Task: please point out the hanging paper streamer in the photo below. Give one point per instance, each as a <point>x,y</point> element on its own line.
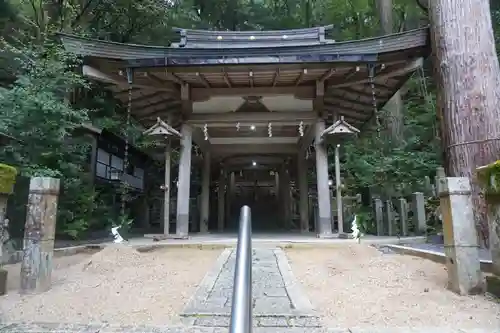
<point>205,132</point>
<point>301,128</point>
<point>116,235</point>
<point>270,129</point>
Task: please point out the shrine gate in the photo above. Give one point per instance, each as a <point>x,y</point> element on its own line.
<point>257,105</point>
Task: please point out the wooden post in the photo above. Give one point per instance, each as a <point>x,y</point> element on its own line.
<point>205,193</point>
<point>419,219</point>
<point>183,191</point>
<point>402,208</point>
<point>166,194</point>
<point>460,241</point>
<point>324,221</point>
<point>221,199</point>
<point>389,211</point>
<point>36,267</point>
<point>379,215</point>
<point>303,193</point>
<point>338,193</point>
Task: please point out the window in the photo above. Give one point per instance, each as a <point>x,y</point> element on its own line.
<point>116,162</point>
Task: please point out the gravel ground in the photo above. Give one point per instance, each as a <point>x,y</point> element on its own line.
<point>356,285</point>
<point>117,285</point>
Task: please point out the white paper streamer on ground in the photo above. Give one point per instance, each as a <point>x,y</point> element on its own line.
<point>116,235</point>
<point>356,233</point>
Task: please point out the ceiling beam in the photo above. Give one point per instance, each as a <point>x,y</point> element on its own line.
<point>275,140</point>
<point>227,150</point>
<point>118,80</point>
<point>231,118</point>
<point>341,99</point>
<point>389,72</point>
<point>147,111</point>
<point>202,94</point>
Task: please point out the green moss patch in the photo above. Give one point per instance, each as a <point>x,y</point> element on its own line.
<point>489,177</point>
<point>8,176</point>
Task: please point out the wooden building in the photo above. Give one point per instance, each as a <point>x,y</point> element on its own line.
<point>256,104</point>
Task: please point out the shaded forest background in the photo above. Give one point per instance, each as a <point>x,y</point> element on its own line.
<point>393,154</point>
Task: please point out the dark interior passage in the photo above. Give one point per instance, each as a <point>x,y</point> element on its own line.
<point>264,205</point>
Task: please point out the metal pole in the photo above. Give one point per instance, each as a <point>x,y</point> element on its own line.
<point>340,216</point>
<point>241,309</point>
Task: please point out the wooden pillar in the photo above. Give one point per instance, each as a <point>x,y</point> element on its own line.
<point>303,193</point>
<point>338,191</point>
<point>36,267</point>
<point>284,178</point>
<point>460,241</point>
<point>229,194</point>
<point>324,206</point>
<point>166,194</point>
<point>205,194</point>
<point>184,182</point>
<point>221,205</point>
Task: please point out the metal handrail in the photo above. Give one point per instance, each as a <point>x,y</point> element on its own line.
<point>241,308</point>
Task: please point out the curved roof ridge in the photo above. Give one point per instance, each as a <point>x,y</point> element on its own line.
<point>157,47</point>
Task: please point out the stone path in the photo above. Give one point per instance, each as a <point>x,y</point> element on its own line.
<point>278,300</point>
<point>80,328</point>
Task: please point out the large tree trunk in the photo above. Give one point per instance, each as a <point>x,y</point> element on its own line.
<point>394,108</point>
<point>467,74</point>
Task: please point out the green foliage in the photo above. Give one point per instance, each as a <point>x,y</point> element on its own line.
<point>489,176</point>
<point>8,176</point>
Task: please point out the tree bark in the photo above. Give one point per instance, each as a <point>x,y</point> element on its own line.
<point>394,107</point>
<point>467,74</point>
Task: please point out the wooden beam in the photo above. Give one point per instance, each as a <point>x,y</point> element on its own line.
<point>301,77</point>
<point>203,80</point>
<point>201,94</point>
<point>146,97</point>
<point>254,140</point>
<point>228,150</point>
<point>339,99</point>
<point>276,76</point>
<point>232,118</point>
<point>96,74</point>
<point>173,77</point>
<point>389,72</point>
<point>152,110</point>
<point>327,75</point>
<point>226,79</point>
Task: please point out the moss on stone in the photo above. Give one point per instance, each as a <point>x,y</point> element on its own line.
<point>8,176</point>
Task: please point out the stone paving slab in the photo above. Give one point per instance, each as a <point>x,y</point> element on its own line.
<point>107,328</point>
<point>278,300</point>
